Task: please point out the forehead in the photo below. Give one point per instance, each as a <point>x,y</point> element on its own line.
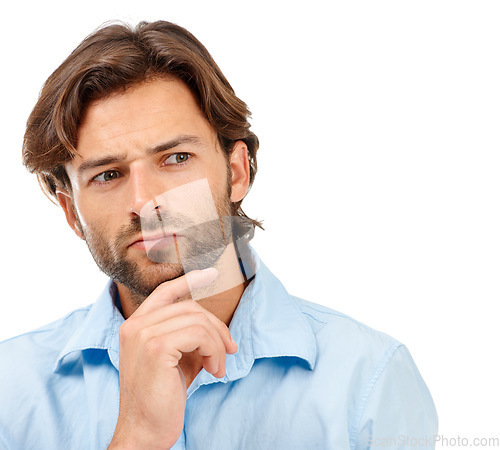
<point>141,118</point>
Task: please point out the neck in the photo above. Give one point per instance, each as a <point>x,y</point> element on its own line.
<point>220,298</point>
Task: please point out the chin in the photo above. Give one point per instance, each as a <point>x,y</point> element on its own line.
<point>159,273</point>
<point>143,282</point>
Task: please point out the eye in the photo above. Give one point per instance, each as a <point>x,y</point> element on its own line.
<point>107,176</point>
<point>177,158</point>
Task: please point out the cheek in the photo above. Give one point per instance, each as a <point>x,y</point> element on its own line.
<point>220,181</point>
<point>97,220</point>
<point>97,211</point>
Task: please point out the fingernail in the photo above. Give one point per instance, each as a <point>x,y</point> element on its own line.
<point>211,271</point>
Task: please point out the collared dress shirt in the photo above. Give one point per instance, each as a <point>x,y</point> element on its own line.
<point>304,377</point>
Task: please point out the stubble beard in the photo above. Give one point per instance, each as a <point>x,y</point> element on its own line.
<point>203,246</point>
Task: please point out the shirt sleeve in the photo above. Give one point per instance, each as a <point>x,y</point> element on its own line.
<point>396,411</point>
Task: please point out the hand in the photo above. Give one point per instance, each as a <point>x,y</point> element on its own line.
<point>152,340</point>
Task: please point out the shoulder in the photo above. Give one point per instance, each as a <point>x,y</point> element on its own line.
<point>27,378</point>
<point>50,333</point>
<point>376,372</point>
<point>37,351</point>
<point>338,329</point>
<point>352,352</point>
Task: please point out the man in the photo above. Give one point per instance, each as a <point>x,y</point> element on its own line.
<point>193,343</point>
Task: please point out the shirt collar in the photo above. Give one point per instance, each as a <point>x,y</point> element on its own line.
<point>99,330</point>
<point>267,323</point>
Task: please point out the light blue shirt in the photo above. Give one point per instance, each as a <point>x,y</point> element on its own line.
<point>304,377</point>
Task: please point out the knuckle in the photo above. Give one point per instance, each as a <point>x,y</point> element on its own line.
<point>201,318</point>
<point>125,330</point>
<point>128,329</point>
<point>142,335</point>
<point>153,346</point>
<point>199,332</point>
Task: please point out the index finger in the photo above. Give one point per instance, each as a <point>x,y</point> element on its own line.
<point>170,291</point>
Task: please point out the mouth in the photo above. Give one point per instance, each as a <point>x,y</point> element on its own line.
<point>156,241</point>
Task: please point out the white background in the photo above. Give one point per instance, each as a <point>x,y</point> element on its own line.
<point>378,173</point>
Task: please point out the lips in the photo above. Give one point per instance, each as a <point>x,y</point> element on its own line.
<point>156,241</point>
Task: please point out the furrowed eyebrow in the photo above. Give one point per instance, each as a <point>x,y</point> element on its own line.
<point>183,139</point>
<point>93,163</point>
<point>113,159</point>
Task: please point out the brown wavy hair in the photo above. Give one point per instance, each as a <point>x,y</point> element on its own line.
<point>112,59</point>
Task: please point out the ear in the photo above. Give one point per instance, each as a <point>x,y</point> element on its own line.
<point>66,202</point>
<point>240,169</point>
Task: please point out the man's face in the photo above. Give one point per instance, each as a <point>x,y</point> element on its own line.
<point>150,183</point>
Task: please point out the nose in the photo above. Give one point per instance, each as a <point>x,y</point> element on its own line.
<point>145,188</point>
